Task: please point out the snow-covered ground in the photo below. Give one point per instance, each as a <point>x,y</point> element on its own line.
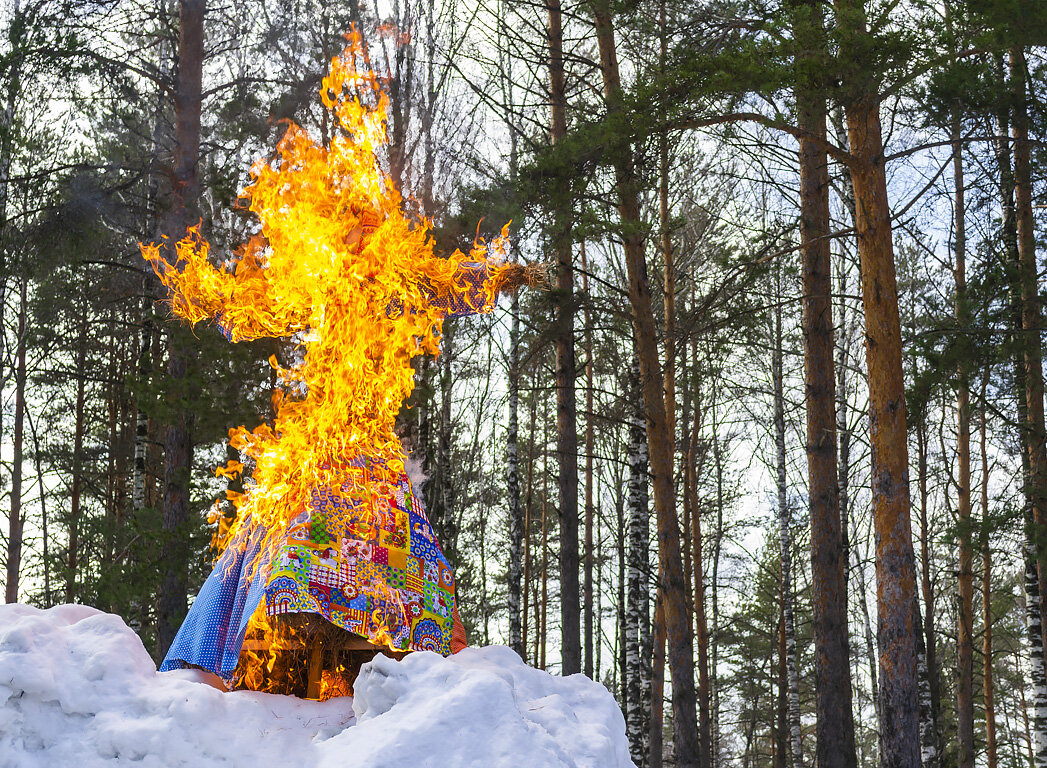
<point>78,689</point>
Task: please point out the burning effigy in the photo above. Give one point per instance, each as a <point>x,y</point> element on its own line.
<point>330,530</point>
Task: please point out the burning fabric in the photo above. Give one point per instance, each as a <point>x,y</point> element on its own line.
<point>331,525</point>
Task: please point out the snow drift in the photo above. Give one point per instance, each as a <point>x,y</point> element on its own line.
<point>77,688</point>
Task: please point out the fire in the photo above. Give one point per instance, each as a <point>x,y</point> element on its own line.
<point>280,657</point>
<point>338,269</point>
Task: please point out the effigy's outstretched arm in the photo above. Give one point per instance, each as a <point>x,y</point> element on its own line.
<point>241,302</point>
<point>474,286</point>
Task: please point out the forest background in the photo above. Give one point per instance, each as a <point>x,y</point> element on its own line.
<point>767,458</point>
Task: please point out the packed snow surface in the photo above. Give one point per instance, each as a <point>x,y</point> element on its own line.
<point>77,688</point>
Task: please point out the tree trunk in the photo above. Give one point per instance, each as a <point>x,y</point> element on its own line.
<point>141,439</point>
<point>443,491</point>
<point>590,512</point>
<point>677,611</point>
<point>622,635</point>
<point>843,432</point>
<point>669,275</point>
<point>72,562</point>
<point>113,378</point>
<point>965,630</point>
<point>44,533</point>
<point>599,604</point>
<point>1031,320</point>
<point>701,623</point>
<point>172,602</point>
<point>512,482</point>
<point>1034,635</point>
<point>566,414</point>
<point>987,620</point>
<point>1033,616</point>
<point>400,71</point>
<point>780,742</point>
<point>870,641</point>
<point>178,446</point>
<point>7,132</point>
<point>144,367</point>
<point>14,536</point>
<point>835,744</point>
<point>636,613</point>
<point>714,635</point>
<point>654,742</point>
<point>929,739</point>
<point>792,744</point>
<point>1024,709</point>
<point>702,631</point>
<point>1037,679</point>
<point>895,566</point>
<point>543,618</point>
<point>528,570</point>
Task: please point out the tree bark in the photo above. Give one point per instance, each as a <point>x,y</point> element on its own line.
<point>636,594</point>
<point>1037,723</point>
<point>780,739</point>
<point>1037,739</point>
<point>844,436</point>
<point>835,746</point>
<point>512,481</point>
<point>791,743</point>
<point>598,587</point>
<point>929,739</point>
<point>991,757</point>
<point>1033,575</point>
<point>527,559</point>
<point>114,481</point>
<point>14,536</point>
<point>622,614</point>
<point>700,620</point>
<point>590,512</point>
<point>1024,709</point>
<point>1031,319</point>
<point>1034,635</point>
<point>677,611</point>
<point>965,613</point>
<point>72,561</point>
<point>543,618</point>
<point>178,446</point>
<point>7,132</point>
<point>443,490</point>
<point>714,635</point>
<point>655,739</point>
<point>895,566</point>
<point>44,520</point>
<point>566,412</point>
<point>140,476</point>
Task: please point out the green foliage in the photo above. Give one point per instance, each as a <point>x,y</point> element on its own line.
<point>751,649</point>
<point>1011,22</point>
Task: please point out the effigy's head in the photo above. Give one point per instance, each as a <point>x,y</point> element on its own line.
<point>337,268</point>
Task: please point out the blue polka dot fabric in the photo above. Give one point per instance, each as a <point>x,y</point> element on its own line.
<point>212,634</point>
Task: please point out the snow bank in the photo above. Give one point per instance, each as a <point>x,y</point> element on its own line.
<point>78,689</point>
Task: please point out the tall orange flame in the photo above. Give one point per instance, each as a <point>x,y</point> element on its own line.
<point>338,269</point>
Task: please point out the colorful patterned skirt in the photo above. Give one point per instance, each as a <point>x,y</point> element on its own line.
<point>362,555</point>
